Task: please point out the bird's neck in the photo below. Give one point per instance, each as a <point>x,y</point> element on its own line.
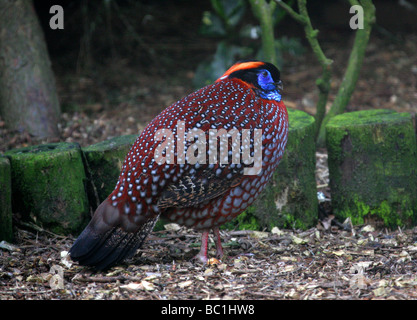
<point>270,95</point>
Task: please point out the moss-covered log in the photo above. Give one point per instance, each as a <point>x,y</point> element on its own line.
<point>104,163</point>
<point>290,198</point>
<point>48,186</point>
<point>6,231</point>
<point>373,167</point>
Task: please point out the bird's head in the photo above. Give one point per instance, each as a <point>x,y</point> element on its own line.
<point>262,77</point>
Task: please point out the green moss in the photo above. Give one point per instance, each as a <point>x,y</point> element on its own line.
<point>373,166</point>
<point>245,221</point>
<point>366,117</point>
<point>6,231</point>
<point>386,213</point>
<point>104,163</point>
<point>159,225</point>
<point>48,186</point>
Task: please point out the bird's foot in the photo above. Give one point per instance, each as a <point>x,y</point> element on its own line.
<point>201,258</point>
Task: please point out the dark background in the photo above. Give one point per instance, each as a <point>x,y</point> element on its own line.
<point>117,67</point>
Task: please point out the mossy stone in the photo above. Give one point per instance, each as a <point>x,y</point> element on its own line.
<point>6,230</point>
<point>48,186</point>
<point>372,158</point>
<point>104,163</point>
<point>290,197</point>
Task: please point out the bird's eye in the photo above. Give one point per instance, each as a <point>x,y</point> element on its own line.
<point>265,81</point>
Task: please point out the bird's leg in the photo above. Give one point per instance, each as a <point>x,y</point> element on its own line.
<point>218,241</point>
<point>202,255</point>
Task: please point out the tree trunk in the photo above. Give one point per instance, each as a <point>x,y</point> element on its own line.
<point>28,98</point>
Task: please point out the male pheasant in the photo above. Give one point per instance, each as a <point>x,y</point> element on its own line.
<point>179,169</point>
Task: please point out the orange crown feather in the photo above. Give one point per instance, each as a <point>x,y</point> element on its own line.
<point>240,66</point>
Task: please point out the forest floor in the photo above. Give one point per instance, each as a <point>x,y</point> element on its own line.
<point>329,261</point>
<point>315,264</point>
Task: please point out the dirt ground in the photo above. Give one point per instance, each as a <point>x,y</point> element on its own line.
<point>283,264</point>
<point>330,261</point>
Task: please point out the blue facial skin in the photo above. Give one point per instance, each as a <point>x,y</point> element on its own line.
<point>269,87</point>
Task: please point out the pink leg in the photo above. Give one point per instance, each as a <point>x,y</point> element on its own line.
<point>218,241</point>
<point>202,255</point>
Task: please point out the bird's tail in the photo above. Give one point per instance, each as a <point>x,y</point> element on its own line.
<point>110,237</point>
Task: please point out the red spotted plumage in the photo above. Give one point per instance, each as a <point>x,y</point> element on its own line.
<point>170,172</point>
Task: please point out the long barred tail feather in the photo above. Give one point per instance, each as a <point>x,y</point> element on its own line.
<point>104,242</point>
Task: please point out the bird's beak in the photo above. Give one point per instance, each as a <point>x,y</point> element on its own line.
<point>279,86</point>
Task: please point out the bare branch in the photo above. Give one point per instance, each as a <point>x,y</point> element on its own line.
<point>296,16</point>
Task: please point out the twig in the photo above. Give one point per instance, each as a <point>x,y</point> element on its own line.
<point>323,83</point>
<point>264,11</point>
<point>40,229</point>
<point>104,279</point>
<point>296,16</point>
<point>241,233</point>
<point>17,291</point>
<point>261,294</point>
<point>351,75</point>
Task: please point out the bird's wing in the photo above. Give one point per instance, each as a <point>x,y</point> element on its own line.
<point>191,190</point>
